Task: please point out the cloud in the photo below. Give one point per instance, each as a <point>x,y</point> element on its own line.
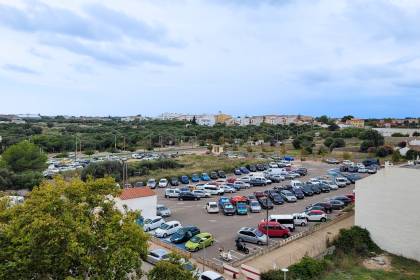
<point>19,69</point>
<point>108,53</point>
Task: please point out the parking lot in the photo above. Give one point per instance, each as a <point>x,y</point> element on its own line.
<point>224,228</point>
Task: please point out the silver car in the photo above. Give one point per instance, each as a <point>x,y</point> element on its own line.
<point>254,206</point>
<point>157,255</point>
<point>252,235</point>
<point>163,211</point>
<point>288,196</point>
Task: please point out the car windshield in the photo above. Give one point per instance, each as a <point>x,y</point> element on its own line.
<point>241,206</point>
<point>255,203</point>
<point>162,208</point>
<point>213,206</point>
<point>228,206</point>
<point>164,226</point>
<point>195,239</point>
<point>147,221</point>
<point>258,233</point>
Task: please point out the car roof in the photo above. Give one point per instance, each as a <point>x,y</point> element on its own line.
<point>160,251</point>
<point>211,274</point>
<point>172,222</point>
<point>203,234</point>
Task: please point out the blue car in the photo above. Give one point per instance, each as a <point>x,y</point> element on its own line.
<point>195,178</point>
<point>241,209</point>
<point>237,172</point>
<point>223,200</point>
<point>289,158</point>
<point>244,170</point>
<point>205,177</point>
<point>185,179</point>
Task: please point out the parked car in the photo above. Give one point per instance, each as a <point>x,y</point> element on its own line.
<point>332,161</point>
<point>343,199</point>
<point>212,207</point>
<point>187,196</point>
<point>351,177</point>
<point>307,190</point>
<point>327,207</point>
<point>298,193</point>
<point>300,219</point>
<point>239,185</point>
<point>201,193</point>
<point>251,168</point>
<point>237,172</point>
<point>275,198</point>
<point>228,209</point>
<point>352,196</point>
<point>138,184</point>
<point>195,178</point>
<point>265,202</point>
<point>244,170</point>
<point>223,200</point>
<point>258,181</point>
<point>184,234</point>
<point>288,196</point>
<point>341,182</point>
<point>167,228</point>
<point>184,179</point>
<point>199,241</point>
<point>285,220</point>
<point>241,208</point>
<point>163,211</point>
<point>336,204</point>
<point>213,175</point>
<point>174,181</point>
<point>157,255</point>
<point>151,183</point>
<point>205,177</point>
<point>213,190</point>
<point>259,194</point>
<point>315,188</point>
<point>152,223</point>
<point>277,178</point>
<point>302,171</point>
<point>169,193</point>
<point>221,174</point>
<point>324,187</point>
<point>251,235</point>
<point>210,275</point>
<point>273,229</point>
<point>254,206</point>
<point>163,183</point>
<point>260,167</point>
<point>228,189</point>
<point>238,198</point>
<point>316,216</point>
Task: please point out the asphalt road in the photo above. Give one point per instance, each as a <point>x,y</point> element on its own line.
<point>224,228</point>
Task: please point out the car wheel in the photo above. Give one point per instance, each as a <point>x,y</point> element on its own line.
<point>165,235</point>
<point>323,220</point>
<point>302,224</point>
<point>259,243</point>
<point>286,236</point>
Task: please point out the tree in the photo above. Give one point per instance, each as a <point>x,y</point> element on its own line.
<point>346,118</point>
<point>396,157</point>
<point>375,138</point>
<point>412,154</point>
<point>323,119</point>
<point>296,143</point>
<point>338,143</point>
<point>383,151</point>
<point>171,269</point>
<point>70,230</point>
<point>416,133</point>
<point>333,127</point>
<point>328,142</point>
<point>24,156</point>
<point>365,145</point>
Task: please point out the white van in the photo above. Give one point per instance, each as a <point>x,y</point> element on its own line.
<point>171,193</point>
<point>296,184</point>
<point>285,220</point>
<point>300,219</point>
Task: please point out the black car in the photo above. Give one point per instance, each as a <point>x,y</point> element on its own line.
<point>237,172</point>
<point>265,202</point>
<point>184,234</point>
<point>251,168</point>
<point>298,193</point>
<point>326,205</point>
<point>251,197</point>
<point>260,167</point>
<point>228,209</point>
<point>337,204</point>
<point>257,182</point>
<point>371,161</point>
<point>174,181</point>
<point>351,177</point>
<point>316,189</point>
<point>221,174</point>
<point>324,187</point>
<point>187,196</point>
<point>213,175</point>
<point>343,199</point>
<point>276,198</point>
<point>307,190</point>
<point>302,171</point>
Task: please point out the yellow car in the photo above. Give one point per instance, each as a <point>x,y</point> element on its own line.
<point>199,241</point>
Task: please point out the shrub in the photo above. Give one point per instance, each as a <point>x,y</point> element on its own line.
<point>346,156</point>
<point>396,157</point>
<point>308,268</point>
<point>384,151</point>
<point>365,145</point>
<point>411,154</point>
<point>296,143</point>
<point>398,134</point>
<point>355,240</point>
<point>328,141</point>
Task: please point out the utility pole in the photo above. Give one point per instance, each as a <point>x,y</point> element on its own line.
<point>115,141</point>
<point>75,150</point>
<point>266,229</point>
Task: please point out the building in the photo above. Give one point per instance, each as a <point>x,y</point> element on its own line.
<point>207,120</point>
<point>222,118</point>
<point>356,123</point>
<point>256,120</point>
<point>414,145</point>
<point>143,199</point>
<point>387,205</point>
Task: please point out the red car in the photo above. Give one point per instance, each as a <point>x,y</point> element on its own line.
<point>259,194</point>
<point>275,229</point>
<point>351,196</point>
<point>231,180</point>
<point>238,198</point>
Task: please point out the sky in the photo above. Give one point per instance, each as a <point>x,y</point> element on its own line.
<point>242,57</point>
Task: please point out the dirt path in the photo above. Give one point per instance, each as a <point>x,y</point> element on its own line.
<point>312,245</point>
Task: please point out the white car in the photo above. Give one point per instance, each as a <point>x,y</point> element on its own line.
<point>153,223</point>
<point>201,193</point>
<point>341,182</point>
<point>151,183</point>
<point>213,190</point>
<point>210,275</point>
<point>157,255</point>
<point>300,219</point>
<point>254,206</point>
<point>296,184</point>
<point>220,181</point>
<point>172,193</point>
<point>362,170</point>
<point>167,229</point>
<point>241,185</point>
<point>245,179</point>
<point>330,184</point>
<point>228,189</point>
<point>163,183</point>
<point>212,207</point>
<point>273,165</point>
<point>316,216</point>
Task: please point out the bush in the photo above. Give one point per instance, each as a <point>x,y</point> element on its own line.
<point>416,133</point>
<point>296,143</point>
<point>365,145</point>
<point>412,154</point>
<point>396,157</point>
<point>307,269</point>
<point>398,134</point>
<point>384,151</point>
<point>328,142</point>
<point>355,240</point>
<point>346,156</point>
<point>338,143</point>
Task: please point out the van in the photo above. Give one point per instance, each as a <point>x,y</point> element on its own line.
<point>285,220</point>
<point>171,193</point>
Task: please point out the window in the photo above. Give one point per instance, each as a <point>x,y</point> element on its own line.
<point>153,255</point>
<point>203,277</point>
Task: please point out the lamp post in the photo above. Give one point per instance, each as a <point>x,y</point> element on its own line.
<point>285,270</point>
<point>266,224</point>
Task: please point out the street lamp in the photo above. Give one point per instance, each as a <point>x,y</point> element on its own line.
<point>285,270</point>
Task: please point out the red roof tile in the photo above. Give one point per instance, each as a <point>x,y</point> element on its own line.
<point>131,193</point>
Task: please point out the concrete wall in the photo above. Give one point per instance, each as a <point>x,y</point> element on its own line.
<point>147,205</point>
<point>388,205</point>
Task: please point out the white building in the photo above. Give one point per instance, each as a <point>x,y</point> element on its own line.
<point>207,120</point>
<point>143,199</point>
<point>387,205</point>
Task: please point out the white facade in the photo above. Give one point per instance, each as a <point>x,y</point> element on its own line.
<point>389,131</point>
<point>387,205</point>
<point>208,120</point>
<point>147,205</point>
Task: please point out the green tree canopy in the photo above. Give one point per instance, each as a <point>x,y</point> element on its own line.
<point>171,269</point>
<point>70,230</point>
<point>24,156</point>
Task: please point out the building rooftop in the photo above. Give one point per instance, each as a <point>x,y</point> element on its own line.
<point>131,193</point>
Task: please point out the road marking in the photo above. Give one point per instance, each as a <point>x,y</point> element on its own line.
<point>212,221</point>
<point>180,203</point>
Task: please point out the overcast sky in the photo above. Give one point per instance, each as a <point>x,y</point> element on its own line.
<point>241,57</point>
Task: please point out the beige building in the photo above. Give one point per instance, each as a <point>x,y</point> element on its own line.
<point>387,204</point>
